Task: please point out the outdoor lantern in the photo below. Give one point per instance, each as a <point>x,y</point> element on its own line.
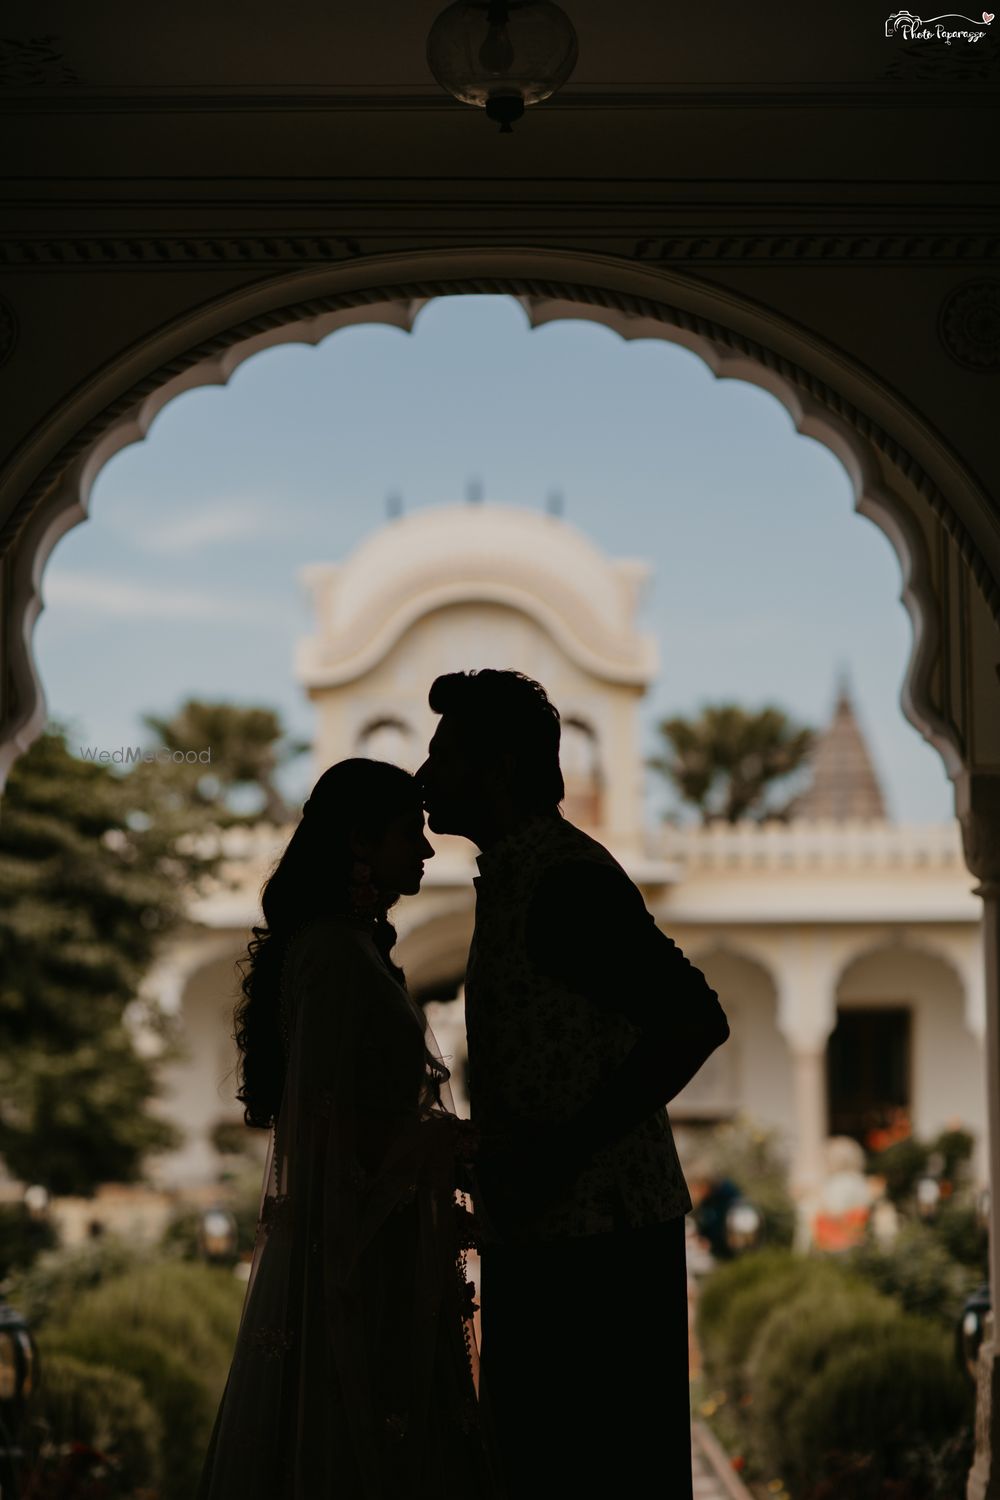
<point>970,1331</point>
<point>502,55</point>
<point>928,1196</point>
<point>744,1226</point>
<point>18,1361</point>
<point>218,1234</point>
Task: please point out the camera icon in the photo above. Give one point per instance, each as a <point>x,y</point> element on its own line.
<point>899,19</point>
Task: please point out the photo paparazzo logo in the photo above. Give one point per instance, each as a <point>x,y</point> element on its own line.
<point>948,28</point>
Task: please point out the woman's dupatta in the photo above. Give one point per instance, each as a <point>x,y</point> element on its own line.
<point>355,1368</point>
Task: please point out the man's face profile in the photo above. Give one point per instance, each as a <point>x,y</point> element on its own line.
<point>451,780</point>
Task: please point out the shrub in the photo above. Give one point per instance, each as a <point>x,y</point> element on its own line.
<point>57,1279</point>
<point>955,1148</point>
<point>76,1402</point>
<point>172,1326</point>
<point>918,1271</point>
<point>726,1282</point>
<point>165,1301</point>
<point>900,1164</point>
<point>793,1345</point>
<point>214,1293</point>
<point>171,1381</point>
<point>958,1227</point>
<point>181,1235</point>
<point>867,1403</point>
<point>729,1322</point>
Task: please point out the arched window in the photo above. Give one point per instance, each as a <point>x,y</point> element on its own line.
<point>389,739</point>
<point>579,757</point>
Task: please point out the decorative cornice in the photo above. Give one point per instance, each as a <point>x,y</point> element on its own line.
<point>139,252</point>
<point>914,248</point>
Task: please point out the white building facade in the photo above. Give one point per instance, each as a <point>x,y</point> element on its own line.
<point>846,950</point>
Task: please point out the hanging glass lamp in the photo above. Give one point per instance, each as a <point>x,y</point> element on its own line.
<point>502,55</point>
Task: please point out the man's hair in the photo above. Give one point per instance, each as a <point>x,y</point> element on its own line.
<point>506,711</point>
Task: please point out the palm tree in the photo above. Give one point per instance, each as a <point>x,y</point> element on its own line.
<point>726,761</point>
<point>248,745</point>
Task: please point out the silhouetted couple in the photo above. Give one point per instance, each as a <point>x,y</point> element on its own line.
<point>356,1372</point>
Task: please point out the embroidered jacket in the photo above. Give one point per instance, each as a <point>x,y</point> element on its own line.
<point>540,1048</point>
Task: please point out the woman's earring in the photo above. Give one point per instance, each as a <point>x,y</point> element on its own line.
<point>362,892</point>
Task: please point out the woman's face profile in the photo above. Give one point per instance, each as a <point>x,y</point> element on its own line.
<point>396,856</point>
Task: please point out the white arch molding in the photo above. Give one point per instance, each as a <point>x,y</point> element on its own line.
<point>48,487</point>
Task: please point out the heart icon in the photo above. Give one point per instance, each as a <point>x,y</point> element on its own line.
<point>987,16</point>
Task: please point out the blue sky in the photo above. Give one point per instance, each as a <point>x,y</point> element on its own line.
<point>766,582</point>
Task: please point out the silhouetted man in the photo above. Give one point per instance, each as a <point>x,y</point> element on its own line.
<point>583,1020</point>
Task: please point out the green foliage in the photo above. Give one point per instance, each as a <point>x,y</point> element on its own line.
<point>57,1279</point>
<point>958,1227</point>
<point>792,1344</point>
<point>90,879</point>
<point>728,1281</point>
<point>247,746</point>
<point>918,1271</point>
<point>172,1382</point>
<point>76,1402</point>
<point>901,1164</point>
<point>22,1237</point>
<point>876,1398</point>
<point>726,761</point>
<point>734,1307</point>
<point>954,1148</point>
<point>172,1326</point>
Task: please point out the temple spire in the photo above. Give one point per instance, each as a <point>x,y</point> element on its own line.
<point>844,784</point>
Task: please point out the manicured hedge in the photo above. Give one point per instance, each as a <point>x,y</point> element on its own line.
<point>892,1390</point>
<point>740,1298</point>
<point>793,1345</point>
<point>76,1402</point>
<point>172,1327</point>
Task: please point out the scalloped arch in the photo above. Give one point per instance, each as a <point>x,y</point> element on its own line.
<point>736,339</point>
<point>926,946</point>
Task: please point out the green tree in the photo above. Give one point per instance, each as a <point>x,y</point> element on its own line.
<point>727,761</point>
<point>247,746</point>
<point>94,872</point>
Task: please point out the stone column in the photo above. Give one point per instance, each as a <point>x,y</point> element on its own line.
<point>809,1075</point>
<point>806,978</point>
<point>978,807</point>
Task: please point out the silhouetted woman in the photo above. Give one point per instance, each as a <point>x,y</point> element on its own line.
<point>355,1367</point>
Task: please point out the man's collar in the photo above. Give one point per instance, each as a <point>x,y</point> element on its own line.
<point>513,845</point>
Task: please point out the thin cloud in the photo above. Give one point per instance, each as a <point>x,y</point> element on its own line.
<point>182,533</point>
<point>194,530</point>
<point>94,594</point>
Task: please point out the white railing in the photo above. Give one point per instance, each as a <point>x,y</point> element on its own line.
<point>814,846</point>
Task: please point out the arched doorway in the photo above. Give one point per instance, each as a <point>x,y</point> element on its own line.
<point>917,492</point>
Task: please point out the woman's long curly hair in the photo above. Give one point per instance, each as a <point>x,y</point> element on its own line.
<point>312,878</point>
